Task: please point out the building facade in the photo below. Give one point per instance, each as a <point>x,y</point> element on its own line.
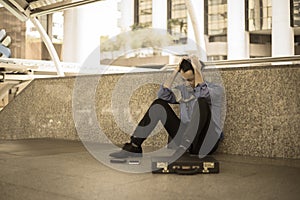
<point>233,29</point>
<point>26,41</point>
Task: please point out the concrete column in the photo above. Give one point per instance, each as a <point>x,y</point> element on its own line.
<point>238,43</point>
<point>282,33</point>
<point>79,37</point>
<point>83,27</point>
<point>159,14</point>
<point>70,20</point>
<point>126,20</point>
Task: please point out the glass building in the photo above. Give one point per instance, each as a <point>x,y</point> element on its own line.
<point>177,20</point>
<point>232,29</point>
<point>142,14</point>
<point>216,19</point>
<point>295,13</point>
<point>215,24</point>
<point>258,15</point>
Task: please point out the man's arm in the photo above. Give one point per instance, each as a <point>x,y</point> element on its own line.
<point>197,70</point>
<point>168,83</point>
<point>165,91</point>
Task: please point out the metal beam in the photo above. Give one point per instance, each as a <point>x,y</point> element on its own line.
<point>254,62</point>
<point>60,7</point>
<point>14,10</point>
<point>199,37</point>
<point>49,45</point>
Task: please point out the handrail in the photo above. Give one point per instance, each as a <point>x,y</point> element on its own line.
<point>247,62</point>
<point>25,65</point>
<point>255,60</point>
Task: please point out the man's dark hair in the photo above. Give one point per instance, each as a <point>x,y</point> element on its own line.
<point>186,65</point>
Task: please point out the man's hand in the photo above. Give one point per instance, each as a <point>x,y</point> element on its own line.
<point>168,83</point>
<point>197,69</point>
<point>177,69</point>
<point>196,63</point>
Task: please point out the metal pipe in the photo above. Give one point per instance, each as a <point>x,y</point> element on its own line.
<point>253,62</point>
<point>271,60</point>
<point>199,37</point>
<point>49,45</point>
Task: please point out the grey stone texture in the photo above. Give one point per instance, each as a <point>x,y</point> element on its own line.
<point>262,113</point>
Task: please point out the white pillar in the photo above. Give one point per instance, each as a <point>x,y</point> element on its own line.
<point>83,27</point>
<point>282,33</point>
<point>159,14</point>
<point>80,35</point>
<point>126,20</point>
<point>238,43</point>
<point>70,49</point>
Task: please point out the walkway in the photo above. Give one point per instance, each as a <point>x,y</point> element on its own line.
<point>57,169</point>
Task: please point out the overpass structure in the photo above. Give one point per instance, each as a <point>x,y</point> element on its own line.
<point>30,9</point>
<point>15,74</point>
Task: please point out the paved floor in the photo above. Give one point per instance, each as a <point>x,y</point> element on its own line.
<point>56,169</point>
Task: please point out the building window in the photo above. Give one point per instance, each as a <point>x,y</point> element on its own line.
<point>216,17</point>
<point>218,38</point>
<point>295,13</point>
<point>258,15</point>
<point>297,44</point>
<point>177,20</point>
<point>142,14</point>
<point>260,39</point>
<point>295,22</point>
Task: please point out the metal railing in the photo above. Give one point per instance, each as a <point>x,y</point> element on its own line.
<point>264,60</point>
<point>30,68</point>
<point>286,60</point>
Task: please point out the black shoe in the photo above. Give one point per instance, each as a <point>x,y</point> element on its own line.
<point>128,150</point>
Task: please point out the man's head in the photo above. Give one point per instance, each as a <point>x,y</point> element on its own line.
<point>187,71</point>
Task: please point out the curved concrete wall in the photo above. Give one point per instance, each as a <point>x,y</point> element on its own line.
<point>263,109</point>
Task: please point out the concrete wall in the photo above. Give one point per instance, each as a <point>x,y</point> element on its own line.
<point>263,109</point>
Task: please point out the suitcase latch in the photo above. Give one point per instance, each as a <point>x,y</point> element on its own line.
<point>207,166</point>
<point>163,166</point>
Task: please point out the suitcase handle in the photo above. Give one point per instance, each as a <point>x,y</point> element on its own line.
<point>186,171</point>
